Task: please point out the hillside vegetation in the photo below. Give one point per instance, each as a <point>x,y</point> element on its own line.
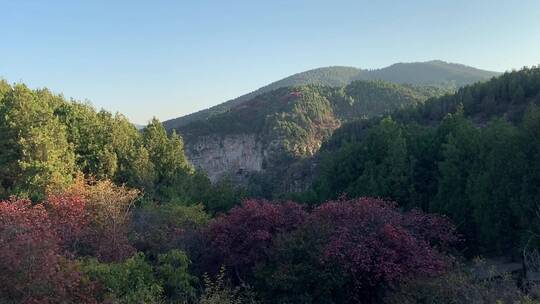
<point>294,121</point>
<point>473,156</point>
<point>46,141</point>
<point>431,73</point>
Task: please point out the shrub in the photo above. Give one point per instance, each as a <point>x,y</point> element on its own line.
<point>172,270</point>
<point>244,236</point>
<point>219,291</point>
<point>131,281</point>
<point>158,228</point>
<point>109,208</point>
<point>459,286</point>
<point>352,251</point>
<point>32,269</point>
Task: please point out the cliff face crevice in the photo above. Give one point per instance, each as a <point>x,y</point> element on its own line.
<point>233,155</point>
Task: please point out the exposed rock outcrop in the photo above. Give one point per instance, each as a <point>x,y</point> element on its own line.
<point>233,156</point>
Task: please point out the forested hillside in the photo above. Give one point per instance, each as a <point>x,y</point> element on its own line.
<point>431,73</point>
<point>288,124</point>
<point>473,156</point>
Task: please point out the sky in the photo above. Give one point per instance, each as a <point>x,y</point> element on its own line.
<point>166,59</point>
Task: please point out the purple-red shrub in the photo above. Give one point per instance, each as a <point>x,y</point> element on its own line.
<point>32,269</point>
<point>343,251</point>
<point>375,245</point>
<point>244,236</point>
<point>70,219</point>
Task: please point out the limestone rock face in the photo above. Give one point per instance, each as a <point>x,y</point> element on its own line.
<point>233,155</point>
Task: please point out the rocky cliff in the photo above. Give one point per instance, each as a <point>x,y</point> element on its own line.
<point>233,156</point>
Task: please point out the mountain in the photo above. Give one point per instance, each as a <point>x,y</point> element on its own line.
<point>433,73</point>
<point>274,129</point>
<point>329,76</point>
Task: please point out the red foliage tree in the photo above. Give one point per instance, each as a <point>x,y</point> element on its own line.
<point>32,269</point>
<point>244,236</point>
<point>375,245</point>
<point>93,218</point>
<point>346,251</point>
<point>70,219</point>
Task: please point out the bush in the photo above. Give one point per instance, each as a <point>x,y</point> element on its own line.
<point>244,236</point>
<point>32,269</point>
<point>131,281</point>
<point>219,291</point>
<point>172,270</point>
<point>342,252</point>
<point>459,286</point>
<point>158,228</point>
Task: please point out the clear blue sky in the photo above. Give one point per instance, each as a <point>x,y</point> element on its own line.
<point>169,58</point>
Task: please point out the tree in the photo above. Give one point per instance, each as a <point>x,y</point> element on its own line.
<point>377,166</point>
<point>31,266</point>
<point>70,218</point>
<point>34,152</point>
<point>494,180</point>
<point>458,156</point>
<point>244,236</point>
<point>172,171</point>
<point>386,169</point>
<point>129,282</point>
<point>109,208</point>
<point>158,228</point>
<point>172,270</point>
<point>351,251</point>
<point>220,291</point>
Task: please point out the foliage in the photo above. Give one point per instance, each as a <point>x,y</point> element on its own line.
<point>451,156</point>
<point>341,250</point>
<point>70,218</point>
<point>31,266</point>
<point>109,208</point>
<point>169,163</point>
<point>46,140</point>
<point>136,229</point>
<point>244,236</point>
<point>352,251</point>
<point>132,281</point>
<point>34,151</point>
<point>460,286</point>
<point>172,270</point>
<point>218,197</point>
<point>434,73</point>
<point>157,228</point>
<point>218,291</point>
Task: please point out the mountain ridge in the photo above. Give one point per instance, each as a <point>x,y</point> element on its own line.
<point>433,73</point>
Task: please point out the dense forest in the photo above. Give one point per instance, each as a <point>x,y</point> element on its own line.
<point>95,211</point>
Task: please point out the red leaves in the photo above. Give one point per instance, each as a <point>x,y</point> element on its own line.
<point>244,236</point>
<point>26,230</point>
<point>38,240</point>
<point>31,266</point>
<point>292,96</point>
<point>373,242</point>
<point>70,218</point>
<point>365,241</point>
